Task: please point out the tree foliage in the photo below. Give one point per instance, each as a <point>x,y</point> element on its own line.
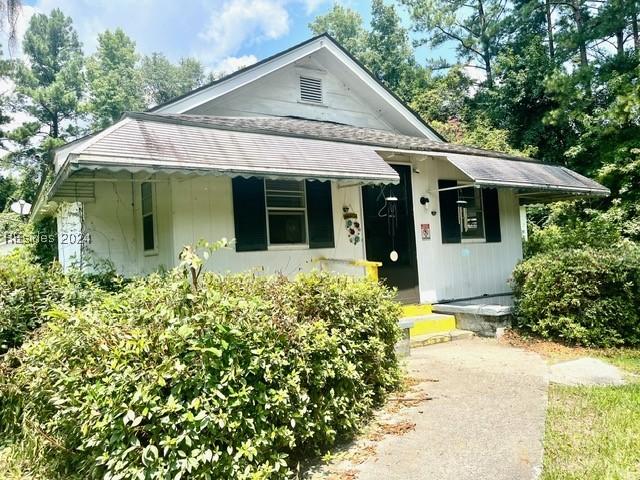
<point>49,86</point>
<point>114,80</point>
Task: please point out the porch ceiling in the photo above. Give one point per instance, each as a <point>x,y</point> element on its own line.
<point>536,182</point>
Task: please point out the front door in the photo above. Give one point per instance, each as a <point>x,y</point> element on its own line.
<point>388,227</point>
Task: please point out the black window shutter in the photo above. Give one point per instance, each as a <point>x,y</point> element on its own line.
<point>249,215</point>
<point>449,212</point>
<point>320,214</point>
<point>491,214</point>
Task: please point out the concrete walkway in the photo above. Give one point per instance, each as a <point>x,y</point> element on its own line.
<point>485,419</point>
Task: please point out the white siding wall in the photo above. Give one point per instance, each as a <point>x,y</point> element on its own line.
<point>466,269</point>
<point>203,208</point>
<point>277,94</point>
<point>114,225</point>
<point>192,208</point>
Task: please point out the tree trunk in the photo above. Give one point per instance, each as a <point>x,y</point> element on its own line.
<point>552,48</point>
<point>620,42</point>
<point>577,16</point>
<point>634,27</point>
<point>489,70</point>
<point>486,44</point>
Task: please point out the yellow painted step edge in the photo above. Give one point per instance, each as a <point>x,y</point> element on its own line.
<point>444,323</point>
<point>416,310</point>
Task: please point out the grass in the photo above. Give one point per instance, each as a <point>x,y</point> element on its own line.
<point>592,433</point>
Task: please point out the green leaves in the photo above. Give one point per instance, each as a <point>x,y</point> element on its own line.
<point>114,81</point>
<point>242,378</point>
<point>581,296</point>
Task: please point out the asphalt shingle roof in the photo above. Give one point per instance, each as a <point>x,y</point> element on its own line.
<point>300,127</point>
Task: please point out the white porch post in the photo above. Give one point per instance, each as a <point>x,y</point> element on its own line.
<point>70,220</point>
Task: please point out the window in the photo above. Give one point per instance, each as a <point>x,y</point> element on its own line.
<point>470,214</point>
<point>310,89</point>
<point>286,212</point>
<point>281,212</point>
<point>148,221</point>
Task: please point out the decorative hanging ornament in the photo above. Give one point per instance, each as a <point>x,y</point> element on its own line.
<point>352,225</point>
<point>392,224</point>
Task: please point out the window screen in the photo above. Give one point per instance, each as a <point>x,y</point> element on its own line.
<point>148,226</point>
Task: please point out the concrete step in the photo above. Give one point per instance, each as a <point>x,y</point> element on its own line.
<point>415,310</point>
<point>430,323</point>
<point>440,337</point>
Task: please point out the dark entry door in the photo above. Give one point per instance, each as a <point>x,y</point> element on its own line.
<point>381,237</point>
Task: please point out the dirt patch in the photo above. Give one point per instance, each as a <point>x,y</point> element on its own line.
<point>397,428</point>
<point>551,351</point>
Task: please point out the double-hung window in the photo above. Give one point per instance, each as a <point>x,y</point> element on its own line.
<point>468,213</point>
<point>286,212</point>
<point>282,212</point>
<point>148,220</point>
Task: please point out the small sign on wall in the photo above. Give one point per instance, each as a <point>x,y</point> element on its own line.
<point>425,231</point>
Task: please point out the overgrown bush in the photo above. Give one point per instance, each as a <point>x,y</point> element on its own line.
<point>571,225</point>
<point>28,290</point>
<point>586,297</point>
<point>240,378</point>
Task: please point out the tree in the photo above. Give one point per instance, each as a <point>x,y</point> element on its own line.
<point>476,27</point>
<point>163,80</point>
<point>444,97</point>
<point>389,54</point>
<point>7,189</point>
<point>345,26</point>
<point>49,85</point>
<point>115,85</point>
<point>385,49</point>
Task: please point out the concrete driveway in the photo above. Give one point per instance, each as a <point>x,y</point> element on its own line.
<point>485,419</point>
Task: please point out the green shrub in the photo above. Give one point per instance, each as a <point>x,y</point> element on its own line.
<point>28,290</point>
<point>600,230</point>
<point>587,297</point>
<point>240,378</point>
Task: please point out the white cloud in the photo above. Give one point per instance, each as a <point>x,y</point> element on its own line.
<point>243,22</point>
<point>313,5</point>
<point>231,64</point>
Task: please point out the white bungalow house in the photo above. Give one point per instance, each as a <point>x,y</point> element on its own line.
<point>300,157</point>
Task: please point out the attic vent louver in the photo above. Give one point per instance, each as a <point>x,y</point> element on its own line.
<point>310,89</point>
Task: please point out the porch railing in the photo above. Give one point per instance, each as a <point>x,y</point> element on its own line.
<point>370,268</point>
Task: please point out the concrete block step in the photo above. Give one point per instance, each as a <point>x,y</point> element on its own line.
<point>415,310</point>
<point>441,337</point>
<point>431,323</point>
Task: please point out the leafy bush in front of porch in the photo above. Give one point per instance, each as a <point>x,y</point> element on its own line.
<point>581,296</point>
<point>230,377</point>
<point>28,290</point>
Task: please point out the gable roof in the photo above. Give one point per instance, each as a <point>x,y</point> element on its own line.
<point>224,85</point>
<point>321,130</point>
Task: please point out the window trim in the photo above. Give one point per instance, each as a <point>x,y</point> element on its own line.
<point>154,216</point>
<point>287,246</point>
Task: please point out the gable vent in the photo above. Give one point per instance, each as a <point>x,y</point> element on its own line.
<point>310,89</point>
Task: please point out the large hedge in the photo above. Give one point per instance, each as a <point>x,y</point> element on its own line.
<point>586,297</point>
<point>28,290</point>
<point>240,378</point>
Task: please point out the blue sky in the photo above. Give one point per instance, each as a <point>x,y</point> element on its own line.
<point>223,34</point>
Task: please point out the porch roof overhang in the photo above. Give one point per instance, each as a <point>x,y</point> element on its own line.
<point>535,182</point>
<point>138,145</point>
